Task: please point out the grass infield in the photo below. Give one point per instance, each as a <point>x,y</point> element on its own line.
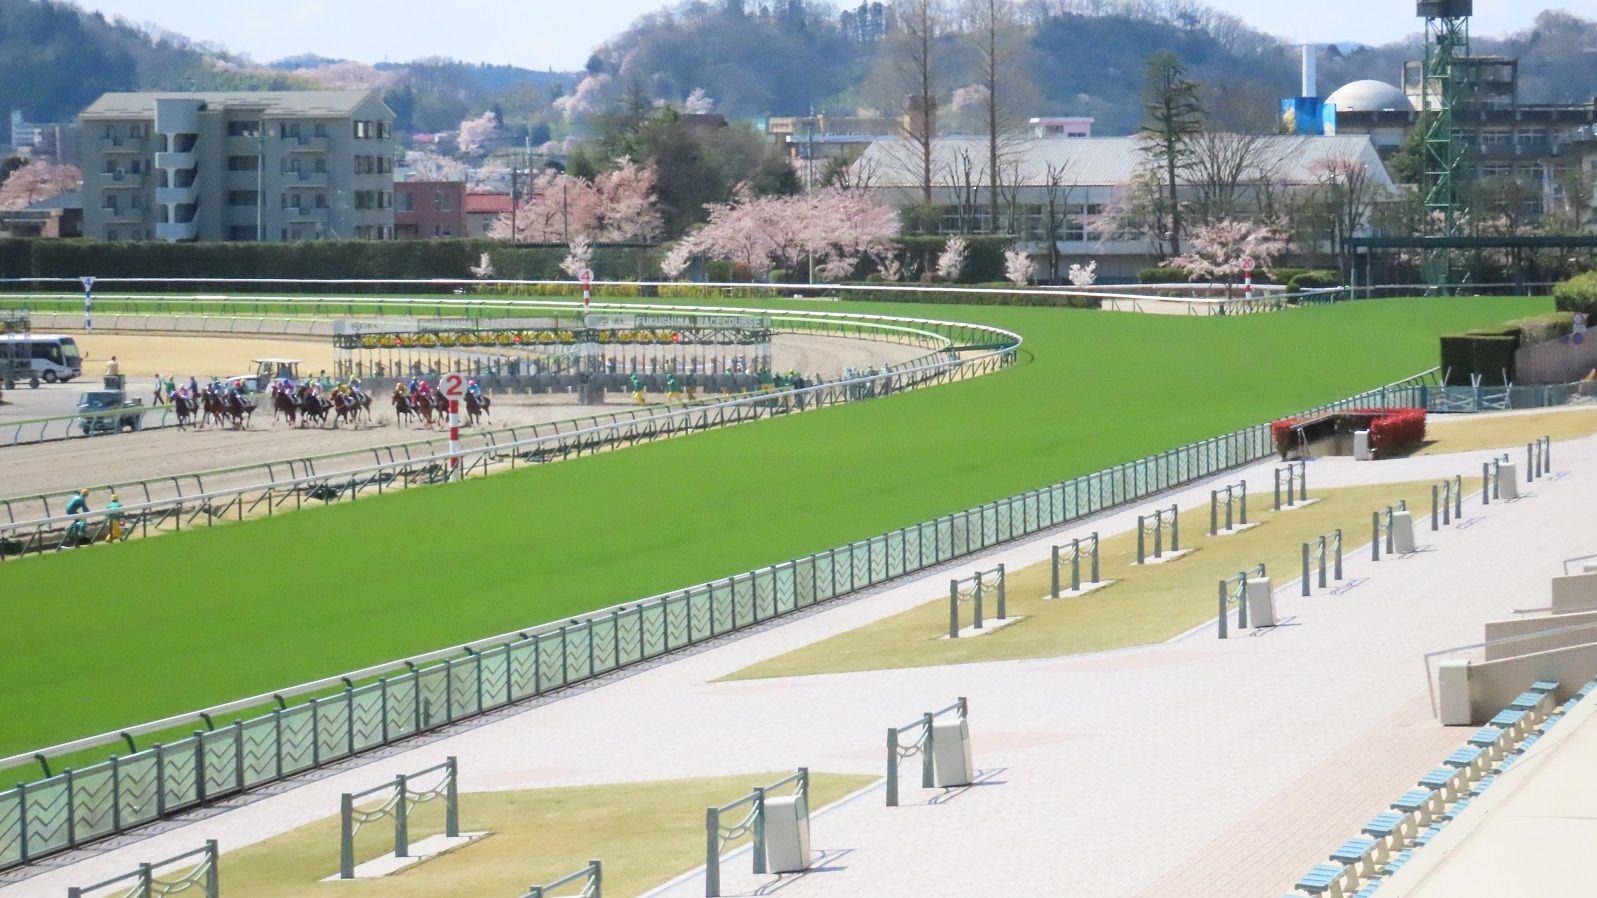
<point>108,637</point>
<point>644,833</point>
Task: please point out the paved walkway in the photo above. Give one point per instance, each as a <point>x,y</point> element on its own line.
<point>1190,767</point>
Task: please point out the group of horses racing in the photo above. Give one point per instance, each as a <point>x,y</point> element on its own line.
<point>431,405</point>
<point>304,404</point>
<point>212,405</point>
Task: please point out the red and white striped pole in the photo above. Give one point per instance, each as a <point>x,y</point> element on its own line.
<point>587,288</point>
<point>1247,279</point>
<point>454,439</point>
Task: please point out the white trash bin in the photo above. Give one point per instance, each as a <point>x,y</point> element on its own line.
<point>1507,480</point>
<point>1361,446</point>
<point>787,835</point>
<point>951,752</point>
<point>1402,532</point>
<point>1261,602</point>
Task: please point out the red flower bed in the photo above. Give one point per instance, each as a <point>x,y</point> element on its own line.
<point>1392,430</point>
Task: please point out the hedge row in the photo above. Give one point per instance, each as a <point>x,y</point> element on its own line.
<point>379,259</point>
<point>1489,355</point>
<point>1578,294</point>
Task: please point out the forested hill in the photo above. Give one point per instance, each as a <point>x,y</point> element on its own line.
<point>752,58</point>
<point>785,57</point>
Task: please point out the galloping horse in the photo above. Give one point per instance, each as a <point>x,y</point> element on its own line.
<point>185,408</point>
<point>404,406</point>
<point>212,404</point>
<point>235,407</point>
<point>312,407</point>
<point>478,405</point>
<point>346,407</point>
<point>284,403</point>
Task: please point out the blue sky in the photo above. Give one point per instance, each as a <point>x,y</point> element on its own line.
<point>541,34</point>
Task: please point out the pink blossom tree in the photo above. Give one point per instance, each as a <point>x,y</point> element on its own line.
<point>1019,267</point>
<point>951,261</point>
<point>36,182</point>
<point>475,133</point>
<point>835,229</point>
<point>1215,251</point>
<point>619,207</point>
<point>677,260</point>
<point>579,258</point>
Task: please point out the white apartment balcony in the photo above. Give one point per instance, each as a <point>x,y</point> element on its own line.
<point>173,231</point>
<point>303,144</point>
<point>177,196</point>
<point>173,161</point>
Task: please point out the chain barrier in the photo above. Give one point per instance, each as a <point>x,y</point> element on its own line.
<point>920,745</point>
<point>1155,525</point>
<point>752,823</point>
<point>1234,591</point>
<point>1235,502</point>
<point>402,799</point>
<point>972,590</point>
<point>1297,483</point>
<point>144,883</point>
<point>1074,556</point>
<point>588,881</point>
<point>1381,528</point>
<point>1325,548</point>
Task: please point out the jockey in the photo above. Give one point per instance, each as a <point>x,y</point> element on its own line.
<point>423,389</point>
<point>473,389</point>
<point>636,383</point>
<point>673,389</point>
<point>354,386</point>
<point>113,516</point>
<point>411,387</point>
<point>77,506</point>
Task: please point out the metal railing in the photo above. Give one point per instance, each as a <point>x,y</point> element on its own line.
<point>1538,459</point>
<point>362,710</point>
<point>752,823</point>
<point>1234,591</point>
<point>972,591</point>
<point>1236,500</point>
<point>1381,528</point>
<point>1325,549</point>
<point>84,425</point>
<point>921,745</point>
<point>588,882</point>
<point>402,798</point>
<point>199,871</point>
<point>1490,477</point>
<point>1450,493</point>
<point>1074,556</point>
<point>1155,525</point>
<point>1297,483</point>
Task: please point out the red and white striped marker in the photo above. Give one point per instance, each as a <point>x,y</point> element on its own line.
<point>453,386</point>
<point>1247,278</point>
<point>587,288</point>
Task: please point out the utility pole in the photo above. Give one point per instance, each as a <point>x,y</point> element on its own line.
<point>515,200</point>
<point>260,182</point>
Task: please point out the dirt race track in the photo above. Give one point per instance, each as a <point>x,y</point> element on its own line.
<point>52,467</point>
<point>200,356</point>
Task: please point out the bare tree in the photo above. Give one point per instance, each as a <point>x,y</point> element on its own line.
<point>1349,197</point>
<point>1058,192</point>
<point>1218,167</point>
<point>994,32</point>
<point>963,178</point>
<point>917,65</point>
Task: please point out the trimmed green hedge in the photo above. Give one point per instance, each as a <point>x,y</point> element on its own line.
<point>985,263</point>
<point>382,259</point>
<point>1490,355</point>
<point>1160,275</point>
<point>1578,294</point>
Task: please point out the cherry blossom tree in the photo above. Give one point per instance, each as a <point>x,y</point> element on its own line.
<point>698,103</point>
<point>484,267</point>
<point>578,258</point>
<point>475,133</point>
<point>36,182</point>
<point>835,229</point>
<point>1215,251</point>
<point>1084,275</point>
<point>619,207</point>
<point>1019,267</point>
<point>426,165</point>
<point>677,260</point>
<point>951,261</point>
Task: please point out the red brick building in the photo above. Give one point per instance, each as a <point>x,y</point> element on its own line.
<point>428,209</point>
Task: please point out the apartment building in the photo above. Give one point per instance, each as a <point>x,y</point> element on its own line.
<point>426,209</point>
<point>269,166</point>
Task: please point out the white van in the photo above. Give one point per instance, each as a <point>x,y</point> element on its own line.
<point>50,357</point>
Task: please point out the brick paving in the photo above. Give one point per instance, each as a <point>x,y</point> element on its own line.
<point>1194,767</point>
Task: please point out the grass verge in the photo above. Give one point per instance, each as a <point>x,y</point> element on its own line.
<point>1147,604</point>
<point>644,833</point>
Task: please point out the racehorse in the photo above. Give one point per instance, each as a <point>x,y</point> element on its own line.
<point>346,407</point>
<point>284,403</point>
<point>212,404</point>
<point>313,407</point>
<point>185,408</point>
<point>235,407</point>
<point>404,407</point>
<point>478,405</point>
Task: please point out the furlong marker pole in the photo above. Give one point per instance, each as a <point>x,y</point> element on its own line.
<point>454,440</point>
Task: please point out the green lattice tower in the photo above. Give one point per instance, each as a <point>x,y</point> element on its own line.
<point>1442,89</point>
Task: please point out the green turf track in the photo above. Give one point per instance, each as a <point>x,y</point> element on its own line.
<point>101,639</point>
